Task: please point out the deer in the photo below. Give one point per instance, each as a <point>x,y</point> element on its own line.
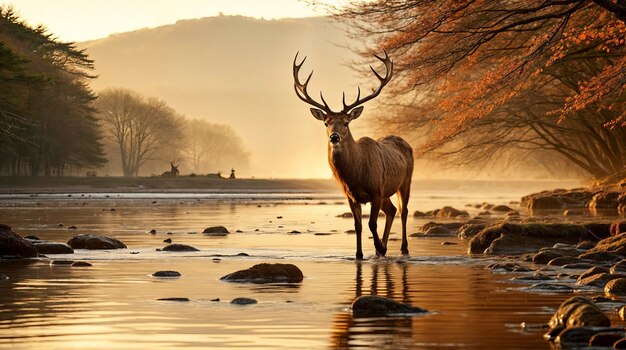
<point>367,170</point>
<point>173,171</point>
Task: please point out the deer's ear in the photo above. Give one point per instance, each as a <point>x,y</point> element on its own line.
<point>356,112</point>
<point>318,114</point>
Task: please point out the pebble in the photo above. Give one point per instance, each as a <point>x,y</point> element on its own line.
<point>174,299</point>
<point>81,264</point>
<point>166,274</point>
<point>61,262</point>
<point>243,301</point>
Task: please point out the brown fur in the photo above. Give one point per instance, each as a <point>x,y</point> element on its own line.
<point>371,171</point>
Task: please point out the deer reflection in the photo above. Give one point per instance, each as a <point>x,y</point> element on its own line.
<point>379,332</point>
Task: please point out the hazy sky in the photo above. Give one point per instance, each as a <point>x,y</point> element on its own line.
<point>80,20</point>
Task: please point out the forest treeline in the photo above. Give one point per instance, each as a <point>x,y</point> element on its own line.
<point>52,123</point>
<point>517,82</point>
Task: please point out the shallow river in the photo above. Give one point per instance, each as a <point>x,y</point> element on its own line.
<point>113,305</point>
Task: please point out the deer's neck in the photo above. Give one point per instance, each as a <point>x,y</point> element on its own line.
<point>345,162</point>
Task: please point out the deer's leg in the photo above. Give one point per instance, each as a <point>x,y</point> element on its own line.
<point>381,249</point>
<point>403,197</point>
<point>358,228</point>
<point>390,212</point>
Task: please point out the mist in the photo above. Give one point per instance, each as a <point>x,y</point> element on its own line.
<point>237,71</point>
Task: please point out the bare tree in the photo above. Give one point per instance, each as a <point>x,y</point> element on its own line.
<point>142,128</point>
<point>213,146</point>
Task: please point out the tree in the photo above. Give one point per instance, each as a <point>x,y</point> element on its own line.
<point>142,128</point>
<point>46,121</point>
<point>487,76</point>
<point>211,147</point>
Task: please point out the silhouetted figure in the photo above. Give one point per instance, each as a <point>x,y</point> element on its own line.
<point>173,171</point>
<point>232,174</point>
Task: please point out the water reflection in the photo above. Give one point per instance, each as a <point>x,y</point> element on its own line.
<point>376,332</point>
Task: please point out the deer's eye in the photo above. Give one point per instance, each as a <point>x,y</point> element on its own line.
<point>325,124</point>
<point>346,124</point>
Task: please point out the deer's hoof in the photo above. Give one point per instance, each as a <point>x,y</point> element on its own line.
<point>359,256</point>
<point>381,252</point>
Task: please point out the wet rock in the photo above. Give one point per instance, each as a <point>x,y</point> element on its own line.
<point>174,299</point>
<point>618,227</point>
<point>598,280</point>
<point>484,213</point>
<point>511,267</point>
<point>615,244</point>
<point>419,214</point>
<point>580,336</point>
<point>551,287</point>
<point>13,245</point>
<point>534,277</point>
<point>322,234</point>
<point>502,208</point>
<point>153,232</point>
<point>578,266</point>
<point>166,274</point>
<point>448,212</point>
<point>512,215</point>
<point>604,200</point>
<point>439,231</point>
<point>350,232</point>
<point>81,264</point>
<point>572,212</point>
<point>616,286</point>
<point>448,243</point>
<point>585,245</point>
<point>168,240</point>
<point>577,312</point>
<point>622,313</point>
<point>620,344</point>
<point>32,238</point>
<point>216,231</point>
<point>601,257</point>
<point>619,267</point>
<point>61,262</point>
<point>606,339</point>
<point>557,199</point>
<point>45,247</point>
<point>510,238</point>
<point>470,230</point>
<point>179,248</point>
<point>243,301</point>
<point>242,254</point>
<point>94,242</point>
<point>545,255</point>
<point>373,306</point>
<point>72,227</point>
<point>601,299</point>
<point>267,273</point>
<point>565,260</point>
<point>3,278</point>
<point>598,230</point>
<point>453,226</point>
<point>294,232</point>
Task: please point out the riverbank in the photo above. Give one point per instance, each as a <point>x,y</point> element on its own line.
<point>158,184</point>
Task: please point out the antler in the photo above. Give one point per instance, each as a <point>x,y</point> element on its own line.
<point>383,81</point>
<point>301,88</point>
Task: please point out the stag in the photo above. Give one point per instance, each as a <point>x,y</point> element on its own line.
<point>368,170</point>
<point>173,171</point>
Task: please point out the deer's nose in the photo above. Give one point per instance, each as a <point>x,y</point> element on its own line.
<point>334,137</point>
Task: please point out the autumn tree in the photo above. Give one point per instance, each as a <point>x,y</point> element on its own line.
<point>142,128</point>
<point>486,76</point>
<point>214,147</point>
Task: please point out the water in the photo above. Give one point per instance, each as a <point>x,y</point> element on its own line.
<point>114,303</point>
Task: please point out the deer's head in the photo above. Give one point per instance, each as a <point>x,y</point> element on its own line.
<point>337,123</point>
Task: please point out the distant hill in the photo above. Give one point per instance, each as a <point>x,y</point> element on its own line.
<point>237,70</point>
